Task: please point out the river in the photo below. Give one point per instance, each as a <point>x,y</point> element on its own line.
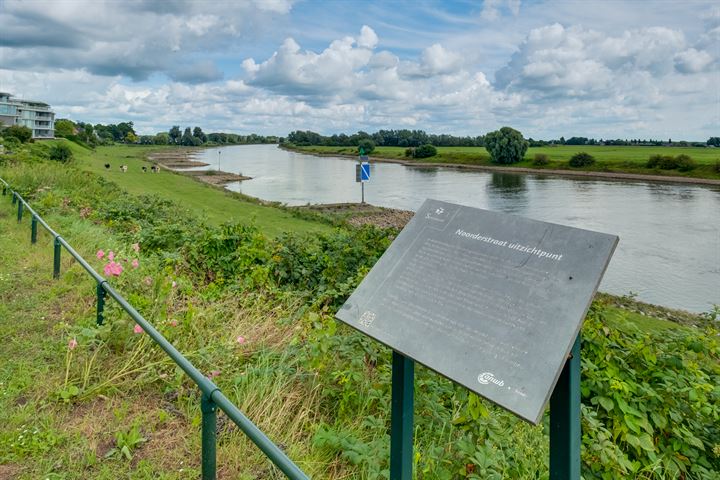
<point>669,251</point>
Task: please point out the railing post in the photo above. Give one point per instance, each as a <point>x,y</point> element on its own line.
<point>4,190</point>
<point>56,259</point>
<point>20,211</point>
<point>209,437</point>
<point>100,291</point>
<point>33,229</point>
<point>401,429</point>
<point>565,434</point>
<point>14,198</point>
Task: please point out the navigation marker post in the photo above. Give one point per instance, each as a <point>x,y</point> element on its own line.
<point>362,173</point>
<point>503,299</point>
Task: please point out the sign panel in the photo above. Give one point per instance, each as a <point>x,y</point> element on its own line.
<point>364,172</point>
<point>491,301</point>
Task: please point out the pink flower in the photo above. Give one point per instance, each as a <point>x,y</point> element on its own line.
<point>138,329</point>
<point>174,284</point>
<point>136,247</point>
<point>113,269</point>
<point>173,323</point>
<point>213,374</point>
<point>72,344</point>
<point>240,339</point>
<point>135,263</point>
<point>111,255</point>
<point>100,254</point>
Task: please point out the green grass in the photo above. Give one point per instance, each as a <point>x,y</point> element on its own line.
<point>211,204</point>
<point>620,159</point>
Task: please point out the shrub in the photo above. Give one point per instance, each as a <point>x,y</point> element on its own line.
<point>410,152</point>
<point>581,159</point>
<point>685,163</point>
<point>425,151</point>
<point>506,145</point>
<point>11,143</point>
<point>668,162</point>
<point>541,159</point>
<point>654,161</point>
<point>61,153</point>
<point>24,134</point>
<point>717,167</point>
<point>367,146</point>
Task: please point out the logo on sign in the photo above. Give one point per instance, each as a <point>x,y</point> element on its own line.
<point>367,318</point>
<point>487,378</point>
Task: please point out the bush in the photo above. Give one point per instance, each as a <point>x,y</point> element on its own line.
<point>11,143</point>
<point>506,145</point>
<point>668,162</point>
<point>24,134</point>
<point>410,152</point>
<point>581,159</point>
<point>685,163</point>
<point>541,160</point>
<point>425,151</point>
<point>61,153</point>
<point>654,161</point>
<point>367,146</point>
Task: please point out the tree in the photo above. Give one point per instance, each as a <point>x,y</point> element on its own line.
<point>24,134</point>
<point>366,146</point>
<point>130,137</point>
<point>714,141</point>
<point>506,145</point>
<point>425,151</point>
<point>64,127</point>
<point>187,138</point>
<point>198,133</point>
<point>175,134</point>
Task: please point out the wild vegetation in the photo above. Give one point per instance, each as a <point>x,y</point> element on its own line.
<point>255,311</point>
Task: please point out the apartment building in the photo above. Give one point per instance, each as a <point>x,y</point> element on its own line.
<point>37,116</point>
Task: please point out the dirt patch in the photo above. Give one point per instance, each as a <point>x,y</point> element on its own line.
<point>214,177</point>
<point>176,159</point>
<point>9,472</point>
<point>359,214</point>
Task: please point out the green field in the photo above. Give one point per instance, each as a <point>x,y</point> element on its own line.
<point>213,205</point>
<point>619,159</point>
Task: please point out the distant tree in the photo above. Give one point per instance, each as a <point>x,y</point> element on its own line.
<point>506,145</point>
<point>198,133</point>
<point>130,137</point>
<point>123,129</point>
<point>64,127</point>
<point>162,138</point>
<point>23,134</point>
<point>61,153</point>
<point>366,145</point>
<point>175,134</point>
<point>425,151</point>
<point>581,159</point>
<point>187,138</point>
<point>714,141</point>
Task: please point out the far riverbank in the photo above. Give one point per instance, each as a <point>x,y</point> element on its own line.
<point>473,161</point>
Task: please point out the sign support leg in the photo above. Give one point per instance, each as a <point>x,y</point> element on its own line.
<point>565,434</point>
<point>401,437</point>
<point>362,189</point>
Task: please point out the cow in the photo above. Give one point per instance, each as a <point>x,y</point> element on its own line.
<point>107,166</point>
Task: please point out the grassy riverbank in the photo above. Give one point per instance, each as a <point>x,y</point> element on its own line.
<point>256,312</point>
<point>614,159</point>
<point>212,205</point>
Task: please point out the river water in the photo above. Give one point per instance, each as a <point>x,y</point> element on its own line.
<point>669,251</point>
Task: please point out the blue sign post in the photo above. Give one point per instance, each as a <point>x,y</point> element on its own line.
<point>362,173</point>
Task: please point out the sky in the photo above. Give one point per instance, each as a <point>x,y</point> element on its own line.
<point>602,69</point>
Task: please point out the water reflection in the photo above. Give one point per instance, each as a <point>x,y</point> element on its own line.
<point>507,183</point>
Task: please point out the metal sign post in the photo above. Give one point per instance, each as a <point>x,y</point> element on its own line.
<point>362,173</point>
<point>401,430</point>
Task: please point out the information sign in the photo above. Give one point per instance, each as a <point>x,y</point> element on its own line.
<point>365,172</point>
<point>492,301</point>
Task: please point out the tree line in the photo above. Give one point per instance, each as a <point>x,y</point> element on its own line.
<point>124,132</point>
<point>415,138</point>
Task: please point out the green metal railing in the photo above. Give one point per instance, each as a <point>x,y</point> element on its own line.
<point>212,398</point>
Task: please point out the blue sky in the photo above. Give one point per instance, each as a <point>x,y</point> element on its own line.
<point>611,69</point>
